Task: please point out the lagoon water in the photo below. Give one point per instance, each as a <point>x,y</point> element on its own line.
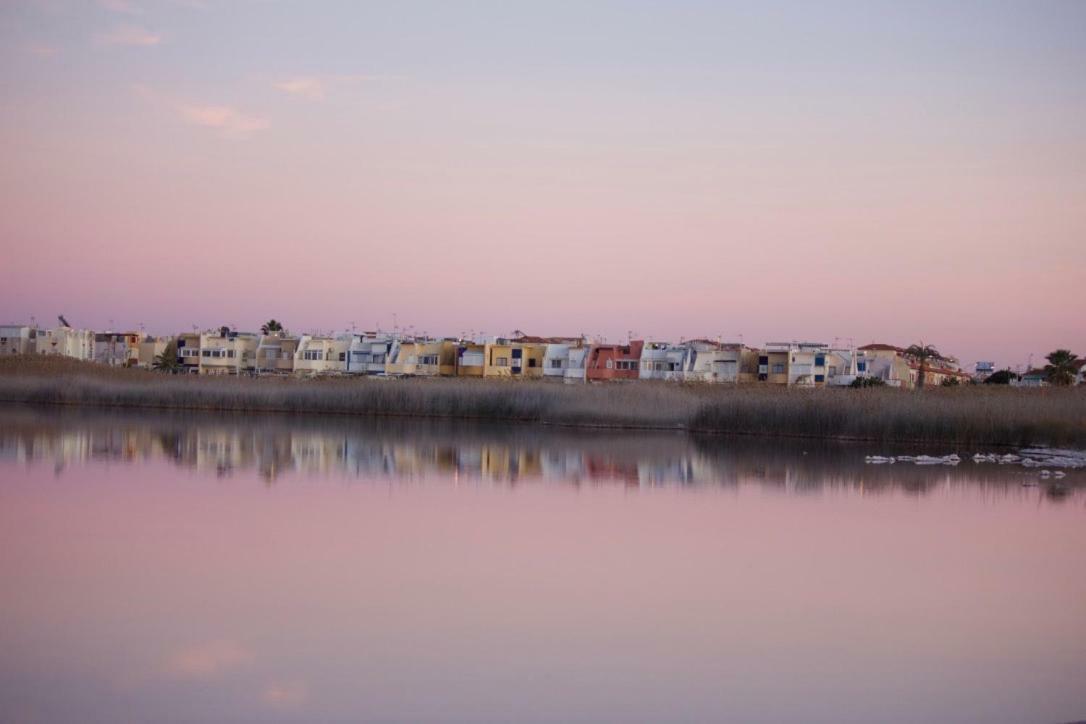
<point>177,567</point>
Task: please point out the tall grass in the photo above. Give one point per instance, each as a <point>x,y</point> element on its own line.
<point>972,415</point>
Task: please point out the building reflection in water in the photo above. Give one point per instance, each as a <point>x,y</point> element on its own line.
<point>415,450</point>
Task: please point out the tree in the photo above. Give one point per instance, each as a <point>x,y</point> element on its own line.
<point>1062,367</point>
<point>167,361</point>
<point>1001,377</point>
<point>950,382</point>
<point>868,382</point>
<point>271,326</point>
<point>922,353</point>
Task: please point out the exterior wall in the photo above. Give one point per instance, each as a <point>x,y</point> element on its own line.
<point>576,365</point>
<point>661,361</point>
<point>118,349</point>
<point>230,354</point>
<point>275,354</point>
<point>423,358</point>
<point>188,352</point>
<point>17,339</point>
<point>773,366</point>
<point>514,359</point>
<point>556,360</point>
<point>729,364</point>
<point>368,353</point>
<point>470,359</point>
<point>66,342</point>
<point>840,367</point>
<point>885,363</point>
<point>807,366</point>
<point>150,348</point>
<point>614,361</point>
<point>320,355</point>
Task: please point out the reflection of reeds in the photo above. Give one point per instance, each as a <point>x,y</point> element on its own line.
<point>975,415</point>
<point>405,450</point>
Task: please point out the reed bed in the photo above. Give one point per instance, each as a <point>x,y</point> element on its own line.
<point>967,416</point>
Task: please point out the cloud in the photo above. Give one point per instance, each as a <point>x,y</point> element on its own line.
<point>132,35</point>
<point>206,660</point>
<point>43,51</point>
<point>120,6</point>
<point>312,88</point>
<point>224,118</point>
<point>285,693</point>
<point>229,121</point>
<point>316,87</point>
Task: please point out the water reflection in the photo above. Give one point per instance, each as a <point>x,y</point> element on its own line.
<point>278,447</point>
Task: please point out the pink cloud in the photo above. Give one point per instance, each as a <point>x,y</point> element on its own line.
<point>224,118</point>
<point>285,693</point>
<point>305,87</point>
<point>206,660</point>
<point>131,35</point>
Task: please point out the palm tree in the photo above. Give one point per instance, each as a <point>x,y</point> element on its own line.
<point>167,361</point>
<point>922,353</point>
<point>271,326</point>
<point>1062,367</point>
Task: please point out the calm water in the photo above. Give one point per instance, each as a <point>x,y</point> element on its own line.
<point>180,568</point>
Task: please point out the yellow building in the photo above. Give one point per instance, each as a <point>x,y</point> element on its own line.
<point>506,358</point>
<point>773,365</point>
<point>422,358</point>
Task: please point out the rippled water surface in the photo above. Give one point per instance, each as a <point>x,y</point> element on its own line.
<point>165,567</point>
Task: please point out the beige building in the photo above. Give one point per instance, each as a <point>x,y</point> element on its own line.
<point>321,355</point>
<point>227,353</point>
<point>188,352</point>
<point>275,354</point>
<point>423,358</point>
<point>151,348</point>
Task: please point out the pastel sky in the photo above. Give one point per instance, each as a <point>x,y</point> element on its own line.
<point>865,171</point>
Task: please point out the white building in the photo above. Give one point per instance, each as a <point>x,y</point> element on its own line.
<point>714,362</point>
<point>17,339</point>
<point>228,353</point>
<point>68,342</point>
<point>576,365</point>
<point>663,361</point>
<point>368,352</point>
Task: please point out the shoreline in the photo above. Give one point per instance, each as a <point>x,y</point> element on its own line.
<point>970,416</point>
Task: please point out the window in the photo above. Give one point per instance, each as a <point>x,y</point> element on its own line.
<point>833,370</point>
<point>517,353</point>
<point>532,362</point>
<point>428,359</point>
<point>502,362</point>
<point>610,364</point>
<point>556,364</point>
<point>627,364</point>
<point>763,360</point>
<point>342,356</point>
<point>762,377</point>
<point>778,369</point>
<point>820,360</point>
<point>230,354</point>
<point>313,355</point>
<point>820,378</point>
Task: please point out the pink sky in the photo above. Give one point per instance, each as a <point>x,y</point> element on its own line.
<point>895,176</point>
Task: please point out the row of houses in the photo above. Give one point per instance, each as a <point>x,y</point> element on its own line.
<point>116,349</point>
<point>569,359</point>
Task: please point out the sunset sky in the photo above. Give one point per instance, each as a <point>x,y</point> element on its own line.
<point>854,171</point>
